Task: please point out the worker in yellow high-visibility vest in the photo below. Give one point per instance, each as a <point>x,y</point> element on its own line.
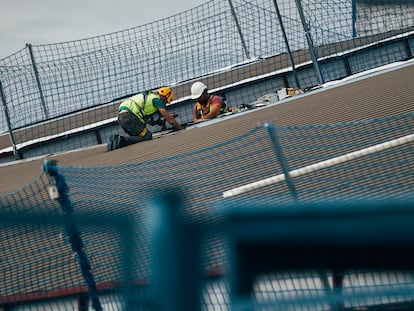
<point>139,110</point>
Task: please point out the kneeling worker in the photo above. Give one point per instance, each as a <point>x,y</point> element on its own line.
<point>136,112</point>
<point>207,106</point>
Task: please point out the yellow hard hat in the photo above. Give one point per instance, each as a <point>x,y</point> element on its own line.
<point>166,91</point>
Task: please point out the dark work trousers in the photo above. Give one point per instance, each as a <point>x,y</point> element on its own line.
<point>133,126</point>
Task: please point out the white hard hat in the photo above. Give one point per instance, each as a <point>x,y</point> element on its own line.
<point>197,89</point>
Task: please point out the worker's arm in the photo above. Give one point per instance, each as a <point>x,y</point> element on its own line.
<point>216,103</point>
<point>167,117</point>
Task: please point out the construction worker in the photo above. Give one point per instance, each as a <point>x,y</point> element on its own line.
<point>207,106</point>
<point>139,110</point>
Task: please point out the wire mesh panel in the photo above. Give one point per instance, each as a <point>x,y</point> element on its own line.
<point>67,94</point>
<point>330,161</point>
<point>49,260</point>
<point>339,26</point>
<point>327,255</point>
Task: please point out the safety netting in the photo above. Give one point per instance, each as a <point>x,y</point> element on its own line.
<point>67,94</point>
<point>80,251</point>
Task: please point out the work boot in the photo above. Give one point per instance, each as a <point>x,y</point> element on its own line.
<point>114,143</point>
<point>117,141</point>
<point>109,145</point>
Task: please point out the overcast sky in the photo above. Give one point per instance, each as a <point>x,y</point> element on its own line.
<point>52,21</point>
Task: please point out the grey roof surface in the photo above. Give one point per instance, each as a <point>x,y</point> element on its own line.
<point>389,93</point>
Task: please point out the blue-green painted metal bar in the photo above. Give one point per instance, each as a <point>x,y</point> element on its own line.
<point>9,127</point>
<point>354,12</point>
<point>282,26</point>
<point>233,12</point>
<point>176,259</point>
<point>39,85</point>
<point>310,42</point>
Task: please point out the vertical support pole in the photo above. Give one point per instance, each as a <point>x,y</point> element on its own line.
<point>410,50</point>
<point>39,86</point>
<point>9,127</point>
<point>310,42</point>
<point>338,284</point>
<point>127,238</point>
<point>282,160</point>
<point>292,62</point>
<point>176,256</point>
<point>354,12</point>
<point>233,12</point>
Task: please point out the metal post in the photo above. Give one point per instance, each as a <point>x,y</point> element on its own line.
<point>310,42</point>
<point>9,127</point>
<point>354,12</point>
<point>233,12</point>
<point>287,43</point>
<point>282,160</point>
<point>176,257</point>
<point>39,86</point>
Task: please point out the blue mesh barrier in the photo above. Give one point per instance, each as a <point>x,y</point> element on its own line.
<point>385,173</point>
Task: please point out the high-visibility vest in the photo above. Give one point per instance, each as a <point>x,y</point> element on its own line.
<point>136,105</point>
<point>199,107</point>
